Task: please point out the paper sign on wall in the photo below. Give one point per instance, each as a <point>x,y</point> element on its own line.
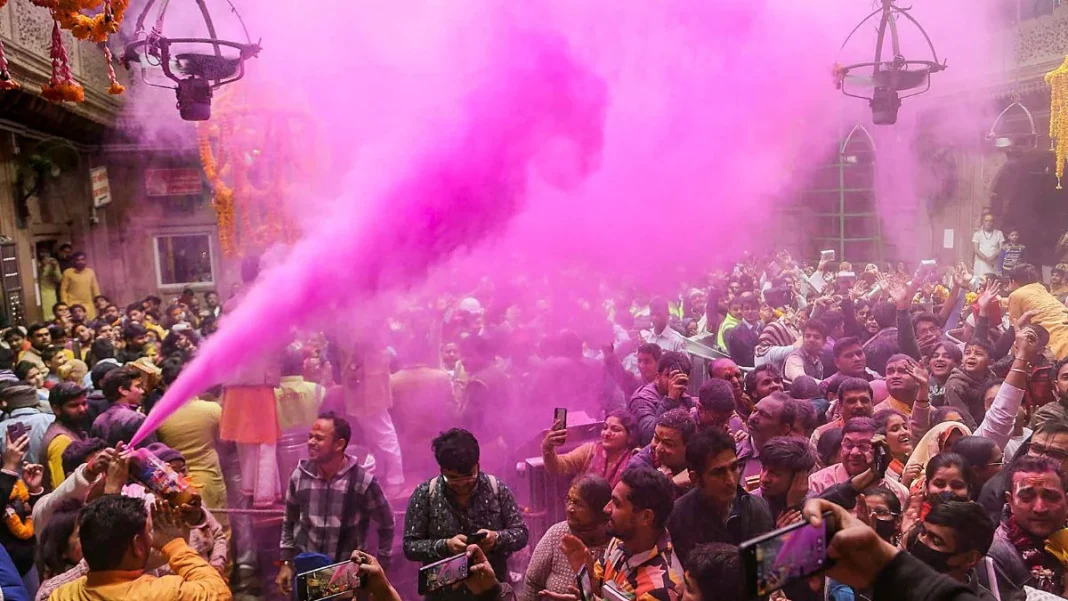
<point>947,238</point>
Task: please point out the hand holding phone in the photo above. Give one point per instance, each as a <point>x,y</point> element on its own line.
<point>560,418</point>
<point>441,574</point>
<point>329,581</point>
<point>787,555</point>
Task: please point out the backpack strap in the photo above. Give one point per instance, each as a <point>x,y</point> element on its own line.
<point>493,484</point>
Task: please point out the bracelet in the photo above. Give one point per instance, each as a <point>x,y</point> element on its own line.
<point>923,401</point>
<point>1026,373</point>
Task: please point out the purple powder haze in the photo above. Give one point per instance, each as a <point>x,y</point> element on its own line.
<point>639,140</point>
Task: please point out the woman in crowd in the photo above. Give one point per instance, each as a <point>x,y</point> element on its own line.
<point>947,478</point>
<point>944,359</point>
<point>549,569</point>
<point>59,550</point>
<point>893,424</point>
<point>607,458</point>
<point>939,438</point>
<point>829,448</point>
<point>28,372</point>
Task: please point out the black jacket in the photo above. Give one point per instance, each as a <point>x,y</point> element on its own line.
<point>906,578</point>
<point>693,522</point>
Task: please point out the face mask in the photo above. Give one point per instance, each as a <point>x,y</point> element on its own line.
<point>886,529</point>
<point>942,498</point>
<point>938,560</point>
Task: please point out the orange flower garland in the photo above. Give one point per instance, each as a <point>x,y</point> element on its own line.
<point>1057,80</point>
<point>22,529</point>
<point>62,86</point>
<point>116,88</point>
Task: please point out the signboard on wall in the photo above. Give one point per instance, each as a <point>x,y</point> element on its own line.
<point>173,182</point>
<point>98,177</point>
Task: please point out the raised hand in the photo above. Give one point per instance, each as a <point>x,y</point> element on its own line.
<point>988,296</point>
<point>33,476</point>
<point>14,451</point>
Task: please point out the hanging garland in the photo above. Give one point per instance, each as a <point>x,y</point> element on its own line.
<point>1057,79</point>
<point>71,15</point>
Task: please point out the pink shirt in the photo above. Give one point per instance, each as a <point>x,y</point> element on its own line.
<point>836,474</point>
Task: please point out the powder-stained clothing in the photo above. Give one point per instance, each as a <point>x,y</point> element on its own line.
<point>49,586</point>
<point>80,288</point>
<point>435,516</point>
<point>332,516</point>
<point>120,423</point>
<point>549,569</point>
<point>36,422</point>
<point>194,580</point>
<point>56,440</point>
<point>652,575</point>
<point>1050,314</point>
<point>829,477</point>
<point>191,430</point>
<point>298,403</point>
<point>964,393</point>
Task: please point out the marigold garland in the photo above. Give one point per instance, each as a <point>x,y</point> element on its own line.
<point>22,529</point>
<point>116,88</point>
<point>1057,79</point>
<point>62,86</point>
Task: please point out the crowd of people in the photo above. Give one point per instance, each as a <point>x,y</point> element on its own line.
<point>926,409</point>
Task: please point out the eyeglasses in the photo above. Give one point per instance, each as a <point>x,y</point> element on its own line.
<point>1054,454</point>
<point>884,514</point>
<point>996,463</point>
<point>460,479</point>
<point>863,447</point>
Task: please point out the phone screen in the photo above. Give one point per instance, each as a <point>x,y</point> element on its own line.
<point>559,418</point>
<point>443,573</point>
<point>15,431</point>
<point>585,584</point>
<point>328,582</point>
<point>787,555</point>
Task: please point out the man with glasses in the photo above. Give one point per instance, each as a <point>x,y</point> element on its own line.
<point>858,457</point>
<point>1037,509</point>
<point>717,510</point>
<point>462,505</point>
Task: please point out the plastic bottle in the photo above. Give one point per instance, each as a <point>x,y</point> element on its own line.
<point>160,478</point>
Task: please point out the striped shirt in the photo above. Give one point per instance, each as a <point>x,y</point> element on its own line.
<point>653,575</point>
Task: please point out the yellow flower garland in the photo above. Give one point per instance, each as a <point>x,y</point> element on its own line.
<point>1057,79</point>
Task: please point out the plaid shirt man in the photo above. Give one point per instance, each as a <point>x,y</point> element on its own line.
<point>331,517</point>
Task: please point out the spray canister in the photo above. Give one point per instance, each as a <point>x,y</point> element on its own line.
<point>160,478</point>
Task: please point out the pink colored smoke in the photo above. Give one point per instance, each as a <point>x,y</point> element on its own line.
<point>643,139</point>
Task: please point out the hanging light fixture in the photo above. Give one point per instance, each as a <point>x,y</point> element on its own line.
<point>1010,139</point>
<point>892,75</point>
<point>196,71</point>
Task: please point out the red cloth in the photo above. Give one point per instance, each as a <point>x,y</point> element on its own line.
<point>249,415</point>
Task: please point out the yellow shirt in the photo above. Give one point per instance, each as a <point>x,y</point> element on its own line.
<point>193,580</point>
<point>80,287</point>
<point>298,402</point>
<point>55,458</point>
<point>191,430</point>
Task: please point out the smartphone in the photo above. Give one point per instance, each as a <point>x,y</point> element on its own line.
<point>16,431</point>
<point>882,459</point>
<point>329,582</point>
<point>585,584</point>
<point>847,276</point>
<point>785,556</point>
<point>560,418</point>
<point>474,539</point>
<point>927,263</point>
<point>610,593</point>
<point>442,573</point>
<point>827,255</point>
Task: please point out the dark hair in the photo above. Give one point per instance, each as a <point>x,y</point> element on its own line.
<point>133,330</point>
<point>292,362</point>
<point>705,446</point>
<point>752,377</point>
<point>788,453</point>
<point>23,369</point>
<point>970,522</point>
<point>896,357</point>
<point>49,352</point>
<point>134,307</point>
<point>100,296</point>
<point>887,495</point>
<point>107,526</point>
<point>941,414</point>
<point>57,305</point>
<point>716,395</point>
<point>1024,274</point>
<point>804,388</point>
<point>716,568</point>
<point>849,384</point>
<point>99,371</point>
<point>919,318</point>
<point>1034,465</point>
<point>64,392</point>
<point>679,419</point>
<point>950,459</point>
<point>66,245</point>
<point>79,254</point>
<point>7,358</point>
<point>171,369</point>
<point>658,303</point>
<point>342,429</point>
<point>595,491</point>
<point>951,349</point>
<point>152,299</point>
<point>833,320</point>
<point>1052,425</point>
<point>804,412</point>
<point>885,314</point>
<point>13,332</point>
<point>859,425</point>
<point>983,344</point>
<point>673,361</point>
<point>123,377</point>
<point>629,422</point>
<point>650,348</point>
<point>36,327</point>
<point>748,299</point>
<point>816,324</point>
<point>830,441</point>
<point>841,344</point>
<point>456,450</point>
<point>52,539</point>
<point>650,489</point>
<point>882,418</point>
<point>976,450</point>
<point>78,451</point>
<point>57,332</point>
